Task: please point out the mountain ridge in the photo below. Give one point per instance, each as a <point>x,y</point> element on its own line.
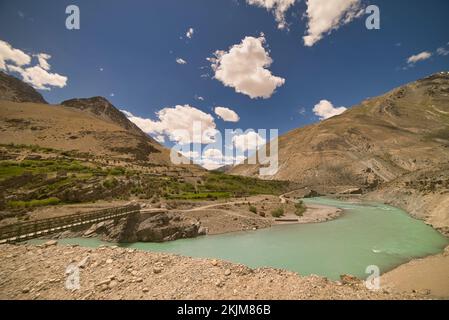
<point>104,109</point>
<point>382,138</point>
<point>93,125</point>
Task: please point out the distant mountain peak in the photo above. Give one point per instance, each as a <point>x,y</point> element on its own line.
<point>13,89</point>
<point>104,109</point>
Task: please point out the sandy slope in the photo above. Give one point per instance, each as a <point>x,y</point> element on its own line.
<point>429,274</point>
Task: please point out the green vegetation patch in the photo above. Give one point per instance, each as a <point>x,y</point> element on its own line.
<point>440,134</point>
<point>10,169</point>
<point>33,148</point>
<point>277,213</point>
<point>200,196</point>
<point>242,186</point>
<point>300,208</point>
<point>110,183</point>
<point>33,203</point>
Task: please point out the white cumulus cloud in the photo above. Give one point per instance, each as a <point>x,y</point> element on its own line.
<point>16,56</point>
<point>419,57</point>
<point>324,16</point>
<point>181,61</point>
<point>227,114</point>
<point>43,60</point>
<point>278,7</point>
<point>213,158</point>
<point>181,124</point>
<point>159,138</point>
<point>244,68</point>
<point>325,110</point>
<point>213,154</point>
<point>248,141</point>
<point>190,154</point>
<point>38,76</point>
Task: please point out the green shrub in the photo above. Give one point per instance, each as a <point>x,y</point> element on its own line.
<point>110,183</point>
<point>300,208</point>
<point>277,213</point>
<point>253,209</point>
<point>117,171</point>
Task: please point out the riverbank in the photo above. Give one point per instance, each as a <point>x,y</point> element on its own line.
<point>39,272</point>
<point>209,217</point>
<point>415,280</point>
<point>428,275</point>
<point>236,216</point>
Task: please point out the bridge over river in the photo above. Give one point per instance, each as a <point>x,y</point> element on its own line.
<point>38,228</point>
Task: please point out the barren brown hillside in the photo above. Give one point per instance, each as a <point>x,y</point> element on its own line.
<point>90,125</point>
<point>377,141</point>
<point>66,128</point>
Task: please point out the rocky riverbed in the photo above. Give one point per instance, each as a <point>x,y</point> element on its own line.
<point>51,272</point>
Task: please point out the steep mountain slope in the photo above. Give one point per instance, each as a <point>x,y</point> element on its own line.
<point>375,142</point>
<point>101,108</point>
<point>91,125</point>
<point>12,89</point>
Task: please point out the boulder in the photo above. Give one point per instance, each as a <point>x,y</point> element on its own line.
<point>167,227</point>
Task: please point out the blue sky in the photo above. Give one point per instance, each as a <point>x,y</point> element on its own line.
<point>136,44</point>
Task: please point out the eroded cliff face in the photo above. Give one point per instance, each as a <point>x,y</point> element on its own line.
<point>424,194</point>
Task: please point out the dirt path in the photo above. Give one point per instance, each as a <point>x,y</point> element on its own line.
<point>215,205</point>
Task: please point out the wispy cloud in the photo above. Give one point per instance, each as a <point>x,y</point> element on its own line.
<point>419,57</point>
<point>278,7</point>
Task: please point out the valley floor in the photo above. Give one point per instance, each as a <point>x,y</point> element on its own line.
<point>42,272</point>
<point>39,272</point>
<point>219,216</point>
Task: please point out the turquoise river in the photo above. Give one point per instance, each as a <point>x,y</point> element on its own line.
<point>367,234</point>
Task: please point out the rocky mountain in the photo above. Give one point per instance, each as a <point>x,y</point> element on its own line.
<point>101,108</point>
<point>381,139</point>
<point>13,89</point>
<point>91,125</point>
